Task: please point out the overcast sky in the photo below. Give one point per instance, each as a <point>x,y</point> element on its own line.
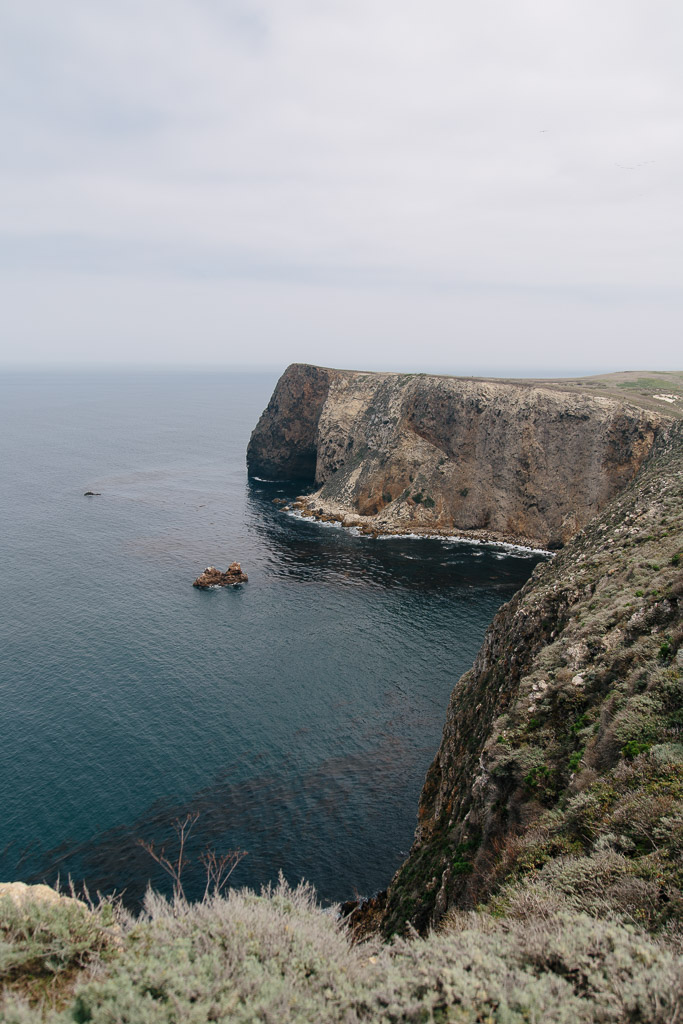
<point>491,187</point>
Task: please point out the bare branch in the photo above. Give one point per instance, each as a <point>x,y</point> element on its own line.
<point>182,829</point>
<point>219,869</point>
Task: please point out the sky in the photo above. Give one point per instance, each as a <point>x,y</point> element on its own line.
<point>491,188</point>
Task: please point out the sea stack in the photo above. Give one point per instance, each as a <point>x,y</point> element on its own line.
<point>213,577</point>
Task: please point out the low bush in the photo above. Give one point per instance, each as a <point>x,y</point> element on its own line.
<point>279,957</point>
<point>44,945</point>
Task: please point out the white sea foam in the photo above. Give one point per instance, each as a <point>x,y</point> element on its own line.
<point>520,550</point>
<point>453,538</point>
<point>295,514</point>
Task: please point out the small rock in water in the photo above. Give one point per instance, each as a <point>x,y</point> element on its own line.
<point>92,494</point>
<point>213,577</point>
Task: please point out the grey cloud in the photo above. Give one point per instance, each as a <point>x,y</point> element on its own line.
<point>514,170</point>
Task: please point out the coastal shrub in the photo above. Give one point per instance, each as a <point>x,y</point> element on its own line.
<point>568,970</point>
<point>575,760</point>
<point>666,649</point>
<point>637,720</point>
<point>240,958</point>
<point>633,748</point>
<point>611,883</point>
<point>44,944</point>
<point>543,781</point>
<point>279,957</point>
<point>580,724</point>
<point>462,867</point>
<point>524,854</point>
<point>668,753</point>
<point>516,762</point>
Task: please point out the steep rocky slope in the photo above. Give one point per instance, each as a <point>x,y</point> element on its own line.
<point>562,753</point>
<point>527,462</point>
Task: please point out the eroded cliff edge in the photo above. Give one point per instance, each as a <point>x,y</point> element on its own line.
<point>499,460</point>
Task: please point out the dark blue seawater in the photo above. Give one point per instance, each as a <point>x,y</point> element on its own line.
<point>297,714</point>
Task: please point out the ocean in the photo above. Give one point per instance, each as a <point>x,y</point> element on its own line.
<point>295,715</point>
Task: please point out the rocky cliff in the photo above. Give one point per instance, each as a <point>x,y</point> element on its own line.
<point>521,461</point>
<point>284,445</point>
<point>558,785</point>
<point>562,753</point>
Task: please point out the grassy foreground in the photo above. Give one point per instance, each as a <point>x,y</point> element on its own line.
<point>279,957</point>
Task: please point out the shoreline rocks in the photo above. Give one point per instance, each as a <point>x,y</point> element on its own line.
<point>213,577</point>
<point>368,526</point>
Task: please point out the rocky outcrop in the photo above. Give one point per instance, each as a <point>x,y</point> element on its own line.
<point>497,460</point>
<point>20,893</point>
<point>213,577</point>
<point>284,445</point>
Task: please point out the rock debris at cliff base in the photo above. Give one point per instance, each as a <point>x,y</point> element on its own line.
<point>309,508</point>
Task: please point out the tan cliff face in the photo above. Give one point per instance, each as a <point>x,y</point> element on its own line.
<point>517,461</point>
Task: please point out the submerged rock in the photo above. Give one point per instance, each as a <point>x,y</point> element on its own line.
<point>213,577</point>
